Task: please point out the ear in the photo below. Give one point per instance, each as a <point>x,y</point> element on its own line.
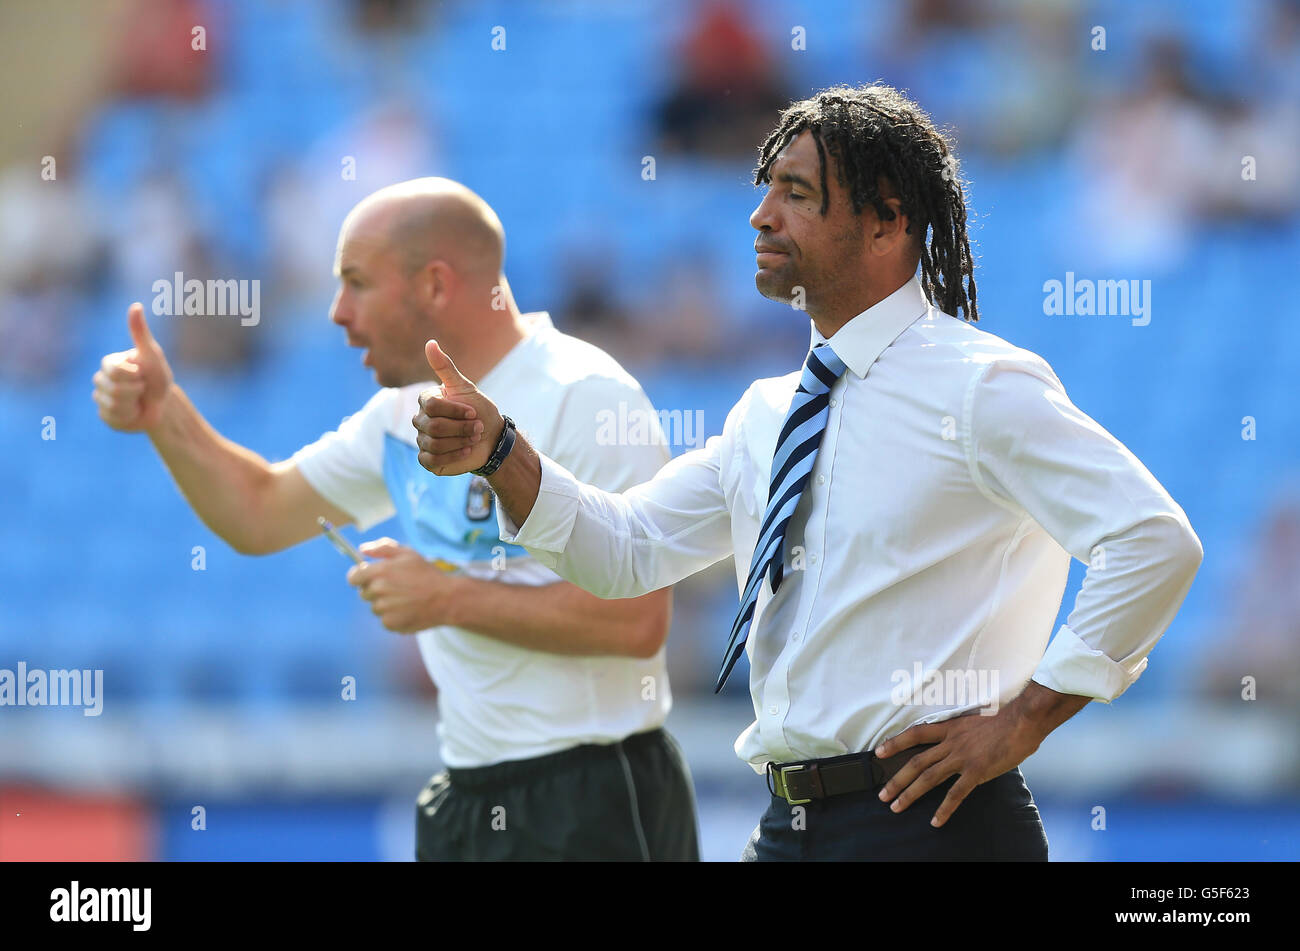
<point>437,284</point>
<point>887,235</point>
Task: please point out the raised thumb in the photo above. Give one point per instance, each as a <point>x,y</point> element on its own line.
<point>442,365</point>
<point>138,326</point>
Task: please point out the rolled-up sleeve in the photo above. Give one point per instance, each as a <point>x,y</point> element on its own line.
<point>1032,449</point>
<point>628,544</point>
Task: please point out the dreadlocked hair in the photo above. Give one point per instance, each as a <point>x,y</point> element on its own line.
<point>874,131</point>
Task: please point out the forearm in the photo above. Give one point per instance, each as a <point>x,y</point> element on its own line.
<point>561,618</point>
<point>223,482</point>
<point>626,544</point>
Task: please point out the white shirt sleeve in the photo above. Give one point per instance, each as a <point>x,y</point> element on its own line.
<point>1030,448</point>
<point>346,466</point>
<point>625,545</point>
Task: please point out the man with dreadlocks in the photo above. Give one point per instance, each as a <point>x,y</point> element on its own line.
<point>902,510</point>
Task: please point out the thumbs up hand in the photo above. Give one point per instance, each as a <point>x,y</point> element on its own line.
<point>458,426</point>
<point>132,385</point>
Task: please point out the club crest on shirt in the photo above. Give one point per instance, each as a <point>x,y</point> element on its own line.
<point>478,504</point>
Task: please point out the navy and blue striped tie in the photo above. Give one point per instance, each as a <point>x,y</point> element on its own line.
<point>796,451</point>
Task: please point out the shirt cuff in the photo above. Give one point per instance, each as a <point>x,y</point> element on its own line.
<point>550,523</point>
<point>1069,665</point>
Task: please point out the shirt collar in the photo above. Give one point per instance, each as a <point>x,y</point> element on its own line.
<point>537,320</point>
<point>864,338</point>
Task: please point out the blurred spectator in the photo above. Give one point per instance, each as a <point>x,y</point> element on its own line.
<point>686,320</point>
<point>1266,134</point>
<point>682,321</point>
<point>1276,54</point>
<point>1145,160</point>
<point>50,246</point>
<point>49,230</point>
<point>35,335</point>
<point>214,341</point>
<point>591,310</point>
<point>307,199</point>
<point>728,93</point>
<point>1261,120</point>
<point>1004,75</point>
<point>1263,638</point>
<point>154,223</point>
<point>1170,157</point>
<point>161,230</point>
<point>386,16</point>
<point>926,18</point>
<point>156,54</point>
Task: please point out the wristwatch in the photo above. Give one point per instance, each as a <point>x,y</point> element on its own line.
<point>503,447</point>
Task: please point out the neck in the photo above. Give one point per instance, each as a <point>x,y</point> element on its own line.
<point>493,335</point>
<point>483,338</point>
<point>830,317</point>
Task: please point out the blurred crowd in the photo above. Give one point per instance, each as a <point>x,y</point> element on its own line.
<point>1165,132</point>
<point>1162,143</point>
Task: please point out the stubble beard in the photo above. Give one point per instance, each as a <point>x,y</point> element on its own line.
<point>776,284</point>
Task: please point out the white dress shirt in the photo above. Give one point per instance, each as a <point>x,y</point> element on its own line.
<point>499,701</point>
<point>953,483</point>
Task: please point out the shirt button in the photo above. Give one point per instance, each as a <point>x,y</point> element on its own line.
<point>812,557</point>
<point>834,402</point>
<point>774,710</point>
<point>794,635</point>
<point>821,480</point>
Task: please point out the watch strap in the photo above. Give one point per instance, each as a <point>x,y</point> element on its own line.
<point>502,449</point>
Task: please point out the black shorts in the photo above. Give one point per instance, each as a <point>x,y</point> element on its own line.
<point>627,801</point>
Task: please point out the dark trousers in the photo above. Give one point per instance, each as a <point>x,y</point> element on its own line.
<point>627,801</point>
<point>998,821</point>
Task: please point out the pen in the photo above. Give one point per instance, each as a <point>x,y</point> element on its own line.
<point>339,542</point>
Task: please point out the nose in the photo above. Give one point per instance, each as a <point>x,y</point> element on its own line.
<point>338,314</point>
<point>763,218</point>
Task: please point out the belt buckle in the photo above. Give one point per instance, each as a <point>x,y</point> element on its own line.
<point>794,767</point>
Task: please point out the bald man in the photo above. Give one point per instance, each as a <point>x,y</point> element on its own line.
<point>551,700</point>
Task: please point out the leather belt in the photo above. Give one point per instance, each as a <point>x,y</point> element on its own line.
<point>811,779</point>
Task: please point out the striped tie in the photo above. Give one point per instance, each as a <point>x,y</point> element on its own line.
<point>796,451</point>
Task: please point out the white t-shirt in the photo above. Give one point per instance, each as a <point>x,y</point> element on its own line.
<point>499,701</point>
